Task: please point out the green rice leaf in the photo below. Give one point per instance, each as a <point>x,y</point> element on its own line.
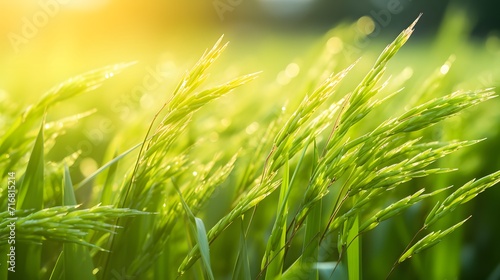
<point>74,261</point>
<point>198,228</point>
<point>242,266</point>
<point>31,187</point>
<point>31,198</point>
<point>273,259</point>
<point>201,237</point>
<point>354,251</point>
<point>106,166</point>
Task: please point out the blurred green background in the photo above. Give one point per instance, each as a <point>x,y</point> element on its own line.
<point>60,38</point>
<point>46,42</point>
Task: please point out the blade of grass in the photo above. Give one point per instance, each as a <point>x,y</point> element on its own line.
<point>77,260</point>
<point>354,251</point>
<point>198,228</point>
<point>31,197</point>
<point>31,186</point>
<point>106,166</point>
<point>242,266</point>
<point>274,255</point>
<point>74,261</point>
<point>300,269</point>
<point>58,271</point>
<point>107,189</point>
<point>310,249</point>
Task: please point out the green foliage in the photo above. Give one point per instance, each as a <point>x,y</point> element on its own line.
<point>354,166</point>
<point>75,260</point>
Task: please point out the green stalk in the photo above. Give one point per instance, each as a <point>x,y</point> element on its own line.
<point>275,254</point>
<point>444,262</point>
<point>312,232</point>
<point>242,266</point>
<point>354,251</point>
<point>311,240</point>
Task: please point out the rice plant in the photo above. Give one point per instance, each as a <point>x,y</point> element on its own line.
<point>297,195</point>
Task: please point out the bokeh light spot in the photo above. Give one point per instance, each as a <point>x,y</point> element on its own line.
<point>88,166</point>
<point>292,70</point>
<point>444,69</point>
<point>366,25</point>
<point>334,45</point>
<point>252,128</point>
